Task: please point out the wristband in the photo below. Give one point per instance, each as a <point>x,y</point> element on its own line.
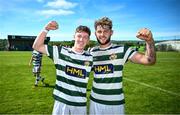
<point>46,31</point>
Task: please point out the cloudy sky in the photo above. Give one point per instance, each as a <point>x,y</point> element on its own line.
<point>28,17</point>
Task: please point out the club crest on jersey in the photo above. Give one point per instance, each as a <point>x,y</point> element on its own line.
<point>103,69</point>
<point>75,72</point>
<point>86,63</point>
<point>113,56</point>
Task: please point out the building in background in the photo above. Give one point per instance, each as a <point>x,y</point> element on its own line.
<point>172,45</point>
<point>22,43</point>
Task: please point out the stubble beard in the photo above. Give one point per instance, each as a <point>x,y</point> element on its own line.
<point>106,42</point>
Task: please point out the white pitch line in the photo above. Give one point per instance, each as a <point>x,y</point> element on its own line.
<point>157,88</point>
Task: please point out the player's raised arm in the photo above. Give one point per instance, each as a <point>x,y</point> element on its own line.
<point>39,41</point>
<point>149,58</point>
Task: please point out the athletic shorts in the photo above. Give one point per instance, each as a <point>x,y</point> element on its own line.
<point>101,109</point>
<point>64,109</point>
<point>36,69</point>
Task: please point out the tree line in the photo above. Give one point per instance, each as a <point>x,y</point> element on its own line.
<point>136,44</point>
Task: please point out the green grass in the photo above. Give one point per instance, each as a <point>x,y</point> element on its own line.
<point>165,75</point>
<point>148,89</point>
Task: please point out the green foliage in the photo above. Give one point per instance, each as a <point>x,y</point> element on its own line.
<point>63,43</point>
<point>71,43</point>
<point>131,43</point>
<point>91,44</point>
<point>19,96</point>
<point>3,44</point>
<point>138,44</point>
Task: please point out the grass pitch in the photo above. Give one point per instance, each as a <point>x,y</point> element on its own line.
<point>148,89</point>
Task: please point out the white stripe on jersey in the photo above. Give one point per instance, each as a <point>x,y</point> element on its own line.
<point>55,54</point>
<point>76,56</point>
<point>132,54</point>
<point>127,54</point>
<point>46,48</point>
<point>62,73</point>
<point>109,75</point>
<point>107,85</point>
<point>77,99</point>
<point>70,87</point>
<point>108,52</point>
<point>107,97</point>
<point>114,62</point>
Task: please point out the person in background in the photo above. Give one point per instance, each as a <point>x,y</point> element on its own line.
<point>36,59</point>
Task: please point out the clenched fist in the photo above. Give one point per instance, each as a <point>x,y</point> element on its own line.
<point>145,34</point>
<point>53,25</point>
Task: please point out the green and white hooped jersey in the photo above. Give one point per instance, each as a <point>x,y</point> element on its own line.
<point>72,74</point>
<point>108,66</point>
<point>37,58</point>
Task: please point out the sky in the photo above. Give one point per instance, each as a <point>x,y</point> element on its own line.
<point>28,17</point>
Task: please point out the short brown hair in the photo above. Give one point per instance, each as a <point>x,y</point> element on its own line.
<point>103,21</point>
<point>83,29</point>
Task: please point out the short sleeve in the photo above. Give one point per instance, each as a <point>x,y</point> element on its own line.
<point>129,52</point>
<point>49,50</point>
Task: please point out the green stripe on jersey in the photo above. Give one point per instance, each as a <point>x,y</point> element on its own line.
<point>107,91</point>
<point>50,51</point>
<point>75,61</point>
<point>70,92</point>
<point>71,82</point>
<point>107,57</point>
<point>69,102</point>
<point>118,67</point>
<point>108,80</point>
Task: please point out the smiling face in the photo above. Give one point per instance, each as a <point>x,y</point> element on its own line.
<point>81,40</point>
<point>103,35</point>
<point>103,31</point>
<point>81,37</point>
